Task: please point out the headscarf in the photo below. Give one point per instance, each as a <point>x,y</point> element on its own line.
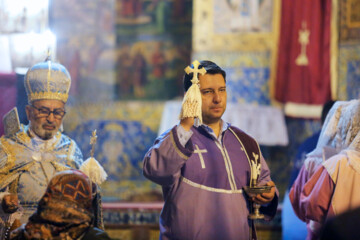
<point>353,151</point>
<point>64,212</point>
<point>338,132</point>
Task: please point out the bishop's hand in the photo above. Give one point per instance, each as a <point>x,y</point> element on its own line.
<point>10,203</point>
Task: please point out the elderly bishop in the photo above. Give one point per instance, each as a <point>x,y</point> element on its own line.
<point>31,155</point>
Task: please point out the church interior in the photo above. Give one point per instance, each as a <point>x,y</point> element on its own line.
<point>284,59</point>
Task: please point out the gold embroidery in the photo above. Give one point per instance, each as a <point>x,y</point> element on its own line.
<point>70,151</point>
<point>334,50</point>
<point>47,83</point>
<point>8,149</point>
<point>176,148</point>
<point>59,167</point>
<point>219,190</point>
<point>23,136</point>
<point>14,185</point>
<point>58,137</point>
<point>302,59</point>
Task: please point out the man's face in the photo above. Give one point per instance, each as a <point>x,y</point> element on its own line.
<point>213,94</point>
<point>45,125</point>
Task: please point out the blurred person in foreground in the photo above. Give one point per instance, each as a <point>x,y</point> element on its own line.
<point>328,185</point>
<point>65,211</point>
<point>343,226</point>
<point>292,227</point>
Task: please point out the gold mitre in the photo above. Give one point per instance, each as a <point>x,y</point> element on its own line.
<point>47,80</point>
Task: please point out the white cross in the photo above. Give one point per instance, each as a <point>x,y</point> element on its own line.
<point>195,71</point>
<point>198,151</point>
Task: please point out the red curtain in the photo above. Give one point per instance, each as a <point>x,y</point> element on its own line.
<point>303,67</point>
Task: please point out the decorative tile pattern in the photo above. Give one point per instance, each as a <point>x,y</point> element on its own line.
<point>125,132</point>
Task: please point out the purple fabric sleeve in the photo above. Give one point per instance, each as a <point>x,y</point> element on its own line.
<point>163,162</point>
<point>296,190</point>
<point>315,198</point>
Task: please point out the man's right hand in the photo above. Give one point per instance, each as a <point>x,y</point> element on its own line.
<point>10,203</point>
<point>187,123</point>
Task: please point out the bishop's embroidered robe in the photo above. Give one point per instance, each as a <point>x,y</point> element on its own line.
<point>28,163</point>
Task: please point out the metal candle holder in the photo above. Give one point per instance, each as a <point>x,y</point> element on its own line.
<point>252,192</point>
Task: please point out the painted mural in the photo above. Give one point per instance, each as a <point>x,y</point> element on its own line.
<point>247,75</point>
<point>242,16</point>
<point>229,26</point>
<point>85,45</point>
<point>125,131</point>
<point>131,50</point>
<point>349,74</point>
<point>349,21</point>
<point>153,40</point>
<point>123,49</point>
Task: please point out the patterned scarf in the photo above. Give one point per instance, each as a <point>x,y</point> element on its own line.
<point>64,212</point>
<point>340,127</point>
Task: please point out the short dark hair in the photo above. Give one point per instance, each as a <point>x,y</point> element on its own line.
<point>326,108</point>
<point>210,67</point>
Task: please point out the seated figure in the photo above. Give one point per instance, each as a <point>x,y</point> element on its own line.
<point>66,211</point>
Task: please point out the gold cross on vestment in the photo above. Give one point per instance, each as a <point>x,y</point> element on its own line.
<point>302,59</point>
<point>195,71</point>
<point>200,151</point>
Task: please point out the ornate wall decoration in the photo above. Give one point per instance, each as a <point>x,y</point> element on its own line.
<point>349,75</point>
<point>247,75</point>
<point>234,25</point>
<point>349,21</point>
<point>85,45</point>
<point>153,46</point>
<point>240,36</point>
<point>125,132</point>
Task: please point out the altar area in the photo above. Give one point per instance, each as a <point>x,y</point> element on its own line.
<point>127,221</point>
<point>126,61</point>
<point>126,130</point>
<point>140,221</point>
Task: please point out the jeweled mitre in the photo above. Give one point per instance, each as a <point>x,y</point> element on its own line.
<point>47,80</point>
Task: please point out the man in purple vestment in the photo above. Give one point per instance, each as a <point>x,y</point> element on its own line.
<point>203,168</point>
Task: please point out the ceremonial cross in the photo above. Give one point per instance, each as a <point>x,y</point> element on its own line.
<point>302,59</point>
<point>198,151</point>
<point>93,142</point>
<point>195,71</point>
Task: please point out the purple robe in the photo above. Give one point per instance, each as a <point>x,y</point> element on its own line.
<point>331,190</point>
<point>202,184</point>
<point>311,198</point>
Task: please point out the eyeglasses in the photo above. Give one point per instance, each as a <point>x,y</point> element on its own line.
<point>45,112</point>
